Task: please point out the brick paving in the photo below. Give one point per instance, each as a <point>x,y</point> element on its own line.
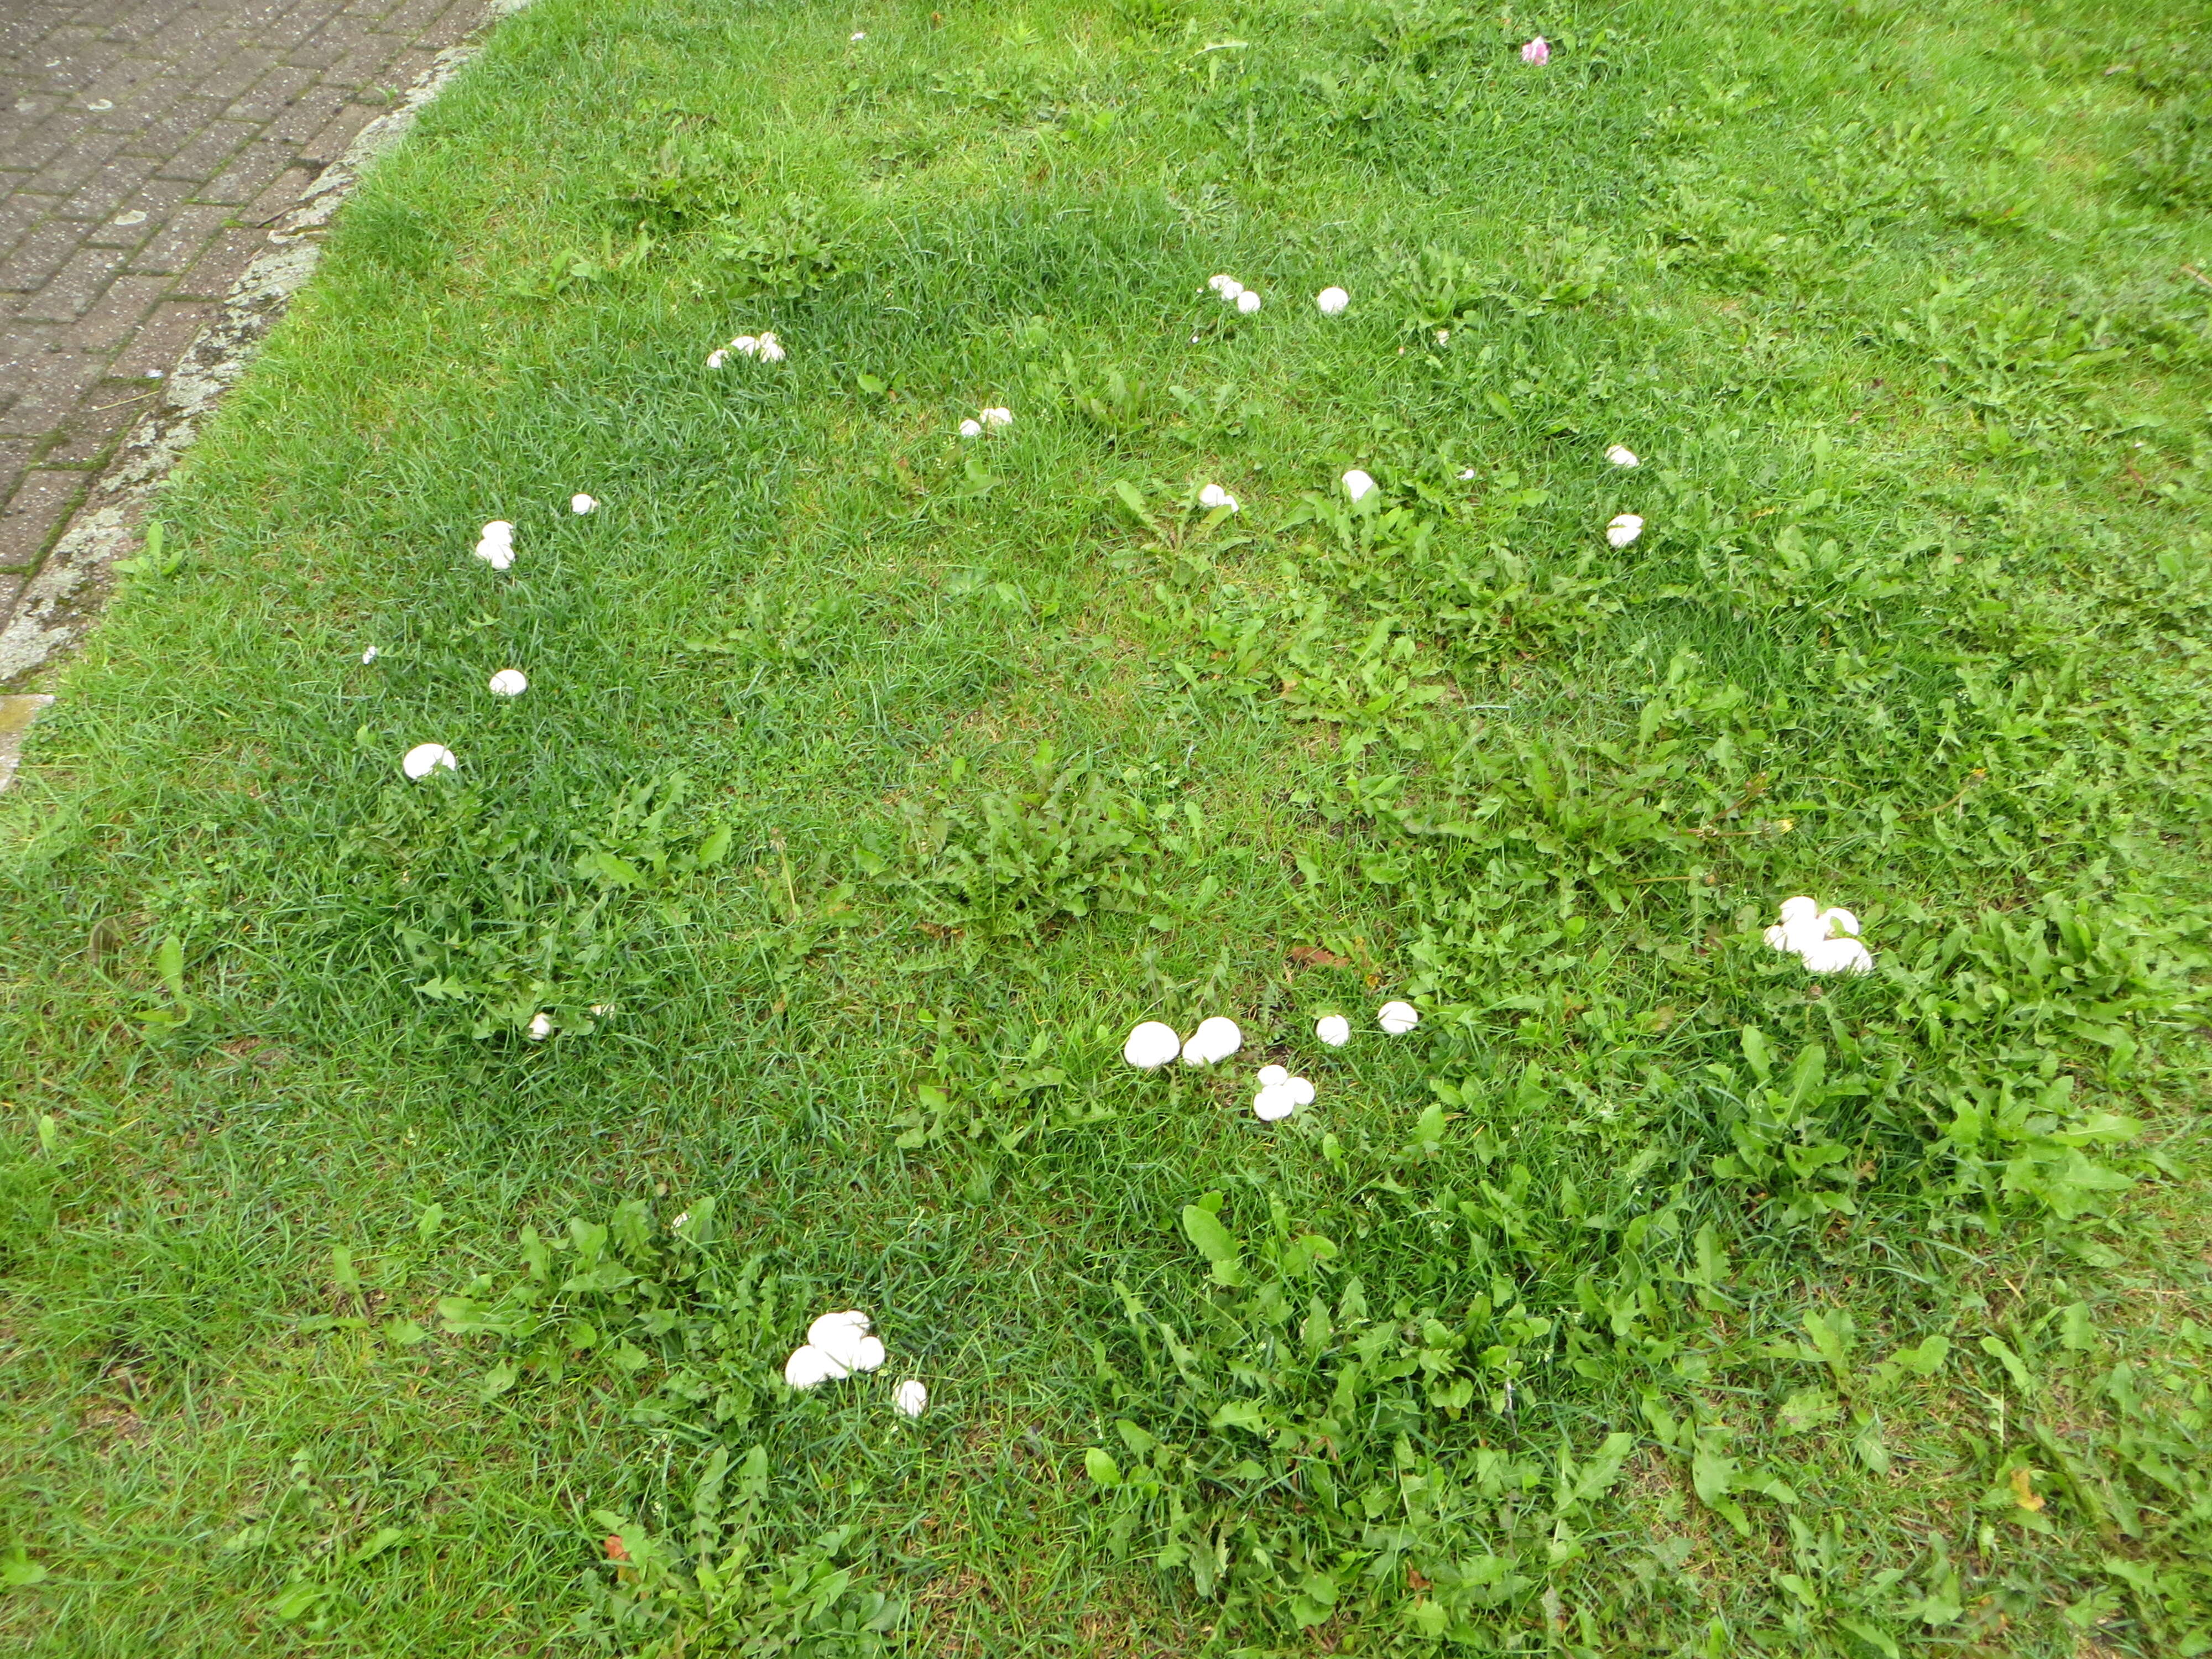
<point>144,145</point>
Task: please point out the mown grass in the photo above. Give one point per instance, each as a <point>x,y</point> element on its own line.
<point>1670,1302</point>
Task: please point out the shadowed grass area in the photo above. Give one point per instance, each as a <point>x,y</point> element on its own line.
<point>1653,1296</point>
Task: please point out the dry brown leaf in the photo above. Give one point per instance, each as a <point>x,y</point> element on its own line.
<point>2023,1489</point>
<point>1312,956</point>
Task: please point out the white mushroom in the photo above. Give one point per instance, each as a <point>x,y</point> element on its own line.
<point>425,758</point>
<point>509,683</point>
<point>809,1365</point>
<point>1151,1046</point>
<point>1836,956</point>
<point>1272,1077</point>
<point>580,504</point>
<point>770,349</point>
<point>998,417</point>
<point>1273,1105</point>
<point>1332,301</point>
<point>369,655</point>
<point>1248,302</point>
<point>718,356</point>
<point>911,1398</point>
<point>1397,1018</point>
<point>857,36</point>
<point>971,428</point>
<point>1335,1030</point>
<point>1624,530</point>
<point>1214,496</point>
<point>1301,1091</point>
<point>844,1337</point>
<point>495,545</point>
<point>1214,1041</point>
<point>1622,455</point>
<point>1358,484</point>
<point>1225,285</point>
<point>541,1027</point>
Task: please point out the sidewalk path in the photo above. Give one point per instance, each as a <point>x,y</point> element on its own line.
<point>144,147</point>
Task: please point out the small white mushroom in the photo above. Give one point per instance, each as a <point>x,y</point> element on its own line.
<point>1624,530</point>
<point>1622,455</point>
<point>843,1337</point>
<point>1358,484</point>
<point>1274,1104</point>
<point>1225,285</point>
<point>1214,496</point>
<point>541,1027</point>
<point>1836,956</point>
<point>509,683</point>
<point>1397,1018</point>
<point>1443,337</point>
<point>1301,1091</point>
<point>1248,302</point>
<point>1272,1077</point>
<point>1335,1030</point>
<point>857,36</point>
<point>911,1398</point>
<point>808,1365</point>
<point>1332,301</point>
<point>1465,473</point>
<point>1214,1041</point>
<point>495,545</point>
<point>971,428</point>
<point>1151,1046</point>
<point>770,349</point>
<point>718,356</point>
<point>369,655</point>
<point>580,504</point>
<point>998,417</point>
<point>425,758</point>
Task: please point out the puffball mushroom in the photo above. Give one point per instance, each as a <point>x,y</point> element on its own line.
<point>911,1398</point>
<point>998,417</point>
<point>1622,455</point>
<point>1397,1018</point>
<point>1332,301</point>
<point>971,428</point>
<point>1225,285</point>
<point>509,683</point>
<point>1825,941</point>
<point>1213,1042</point>
<point>857,36</point>
<point>1273,1077</point>
<point>369,655</point>
<point>1358,484</point>
<point>844,1337</point>
<point>1280,1094</point>
<point>1214,496</point>
<point>541,1028</point>
<point>808,1365</point>
<point>1624,530</point>
<point>425,758</point>
<point>495,545</point>
<point>1335,1030</point>
<point>580,504</point>
<point>1151,1046</point>
<point>771,348</point>
<point>1248,302</point>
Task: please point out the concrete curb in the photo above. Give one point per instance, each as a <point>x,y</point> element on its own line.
<point>64,598</point>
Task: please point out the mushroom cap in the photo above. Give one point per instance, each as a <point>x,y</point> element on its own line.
<point>840,1335</point>
<point>425,758</point>
<point>1225,285</point>
<point>1335,1030</point>
<point>998,417</point>
<point>1622,455</point>
<point>1214,496</point>
<point>509,683</point>
<point>1273,1105</point>
<point>541,1027</point>
<point>869,1355</point>
<point>1151,1046</point>
<point>1301,1091</point>
<point>1836,956</point>
<point>1274,1076</point>
<point>770,349</point>
<point>1214,1041</point>
<point>1332,301</point>
<point>1624,529</point>
<point>911,1398</point>
<point>1397,1018</point>
<point>971,428</point>
<point>1799,910</point>
<point>1838,921</point>
<point>808,1365</point>
<point>579,503</point>
<point>1356,484</point>
<point>1248,302</point>
<point>498,530</point>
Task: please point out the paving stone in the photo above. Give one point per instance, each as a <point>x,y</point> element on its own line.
<point>219,114</point>
<point>34,513</point>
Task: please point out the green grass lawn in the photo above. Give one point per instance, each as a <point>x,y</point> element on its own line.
<point>1652,1297</point>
